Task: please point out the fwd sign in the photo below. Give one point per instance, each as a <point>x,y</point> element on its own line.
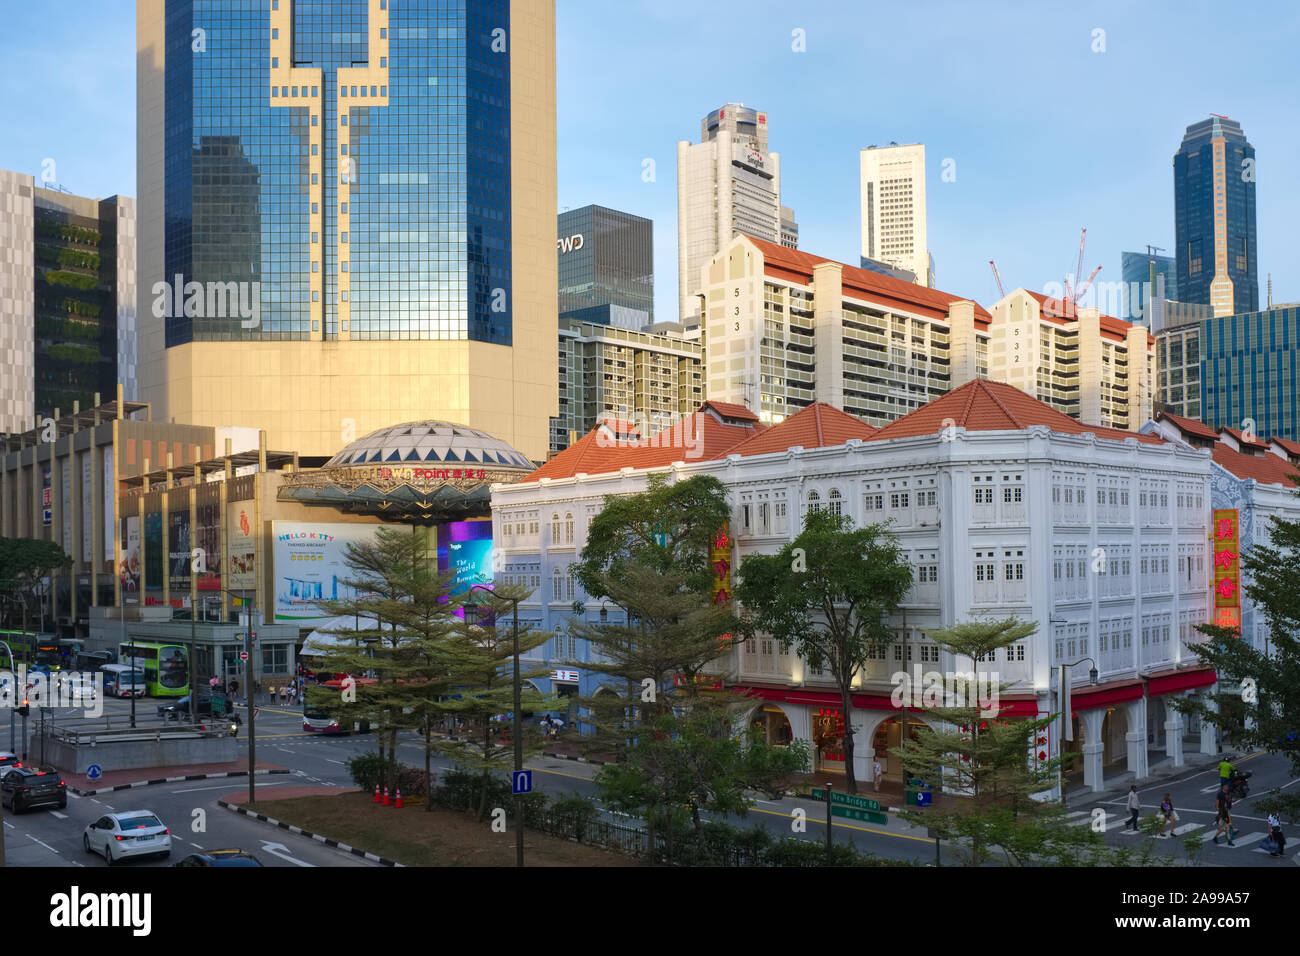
<point>570,243</point>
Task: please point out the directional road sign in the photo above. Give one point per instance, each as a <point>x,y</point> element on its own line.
<point>94,771</point>
<point>243,655</point>
<point>854,814</point>
<point>847,800</point>
<point>523,780</point>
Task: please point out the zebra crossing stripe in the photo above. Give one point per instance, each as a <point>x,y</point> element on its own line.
<point>1188,828</point>
<point>1250,838</point>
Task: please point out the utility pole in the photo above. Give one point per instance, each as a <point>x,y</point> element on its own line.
<point>251,643</point>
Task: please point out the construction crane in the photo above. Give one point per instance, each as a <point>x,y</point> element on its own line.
<point>1084,288</point>
<point>1070,294</point>
<point>1001,293</point>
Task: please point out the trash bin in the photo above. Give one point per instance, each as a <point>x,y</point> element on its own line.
<point>924,796</point>
<point>914,785</point>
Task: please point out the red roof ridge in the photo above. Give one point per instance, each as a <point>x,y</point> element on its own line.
<point>1002,405</point>
<point>817,419</point>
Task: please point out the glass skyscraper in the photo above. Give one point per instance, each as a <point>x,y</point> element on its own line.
<point>1214,217</point>
<point>1249,369</point>
<point>1135,271</point>
<point>347,171</point>
<point>606,258</point>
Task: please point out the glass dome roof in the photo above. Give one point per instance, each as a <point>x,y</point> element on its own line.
<point>431,441</point>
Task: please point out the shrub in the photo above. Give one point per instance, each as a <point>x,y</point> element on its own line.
<point>72,280</point>
<point>573,816</point>
<point>368,770</point>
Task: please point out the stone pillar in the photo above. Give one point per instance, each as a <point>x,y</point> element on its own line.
<point>1209,732</point>
<point>1174,725</point>
<point>870,724</point>
<point>1093,747</point>
<point>1135,739</point>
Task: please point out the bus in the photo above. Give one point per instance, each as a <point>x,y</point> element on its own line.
<point>42,651</point>
<point>318,720</point>
<point>165,666</point>
<point>122,680</point>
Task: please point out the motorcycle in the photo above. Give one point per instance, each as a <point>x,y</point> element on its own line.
<point>234,725</point>
<point>1237,785</point>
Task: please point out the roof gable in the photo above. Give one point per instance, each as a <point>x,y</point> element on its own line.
<point>817,426</point>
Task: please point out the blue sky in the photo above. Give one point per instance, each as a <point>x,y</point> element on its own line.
<point>1046,135</point>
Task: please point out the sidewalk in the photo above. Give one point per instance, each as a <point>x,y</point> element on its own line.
<point>144,776</point>
<point>1116,785</point>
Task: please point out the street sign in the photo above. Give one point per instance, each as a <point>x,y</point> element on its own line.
<point>523,781</point>
<point>847,800</point>
<point>243,655</point>
<point>852,813</point>
<point>94,771</point>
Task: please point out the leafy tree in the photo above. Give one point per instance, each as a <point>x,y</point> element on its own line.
<point>24,563</point>
<point>829,595</point>
<point>481,655</point>
<point>404,623</point>
<point>1262,707</point>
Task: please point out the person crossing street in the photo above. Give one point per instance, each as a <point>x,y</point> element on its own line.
<point>1223,806</point>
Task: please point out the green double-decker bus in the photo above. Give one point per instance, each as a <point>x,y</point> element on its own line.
<point>166,666</point>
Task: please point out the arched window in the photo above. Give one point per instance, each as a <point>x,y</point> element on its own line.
<point>568,528</point>
<point>835,502</point>
<point>555,529</point>
<point>814,502</point>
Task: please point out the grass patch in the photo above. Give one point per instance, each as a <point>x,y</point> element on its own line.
<point>438,837</point>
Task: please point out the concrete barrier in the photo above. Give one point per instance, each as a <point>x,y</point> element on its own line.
<point>144,749</point>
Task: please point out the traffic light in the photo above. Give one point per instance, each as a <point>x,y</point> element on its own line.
<point>22,711</point>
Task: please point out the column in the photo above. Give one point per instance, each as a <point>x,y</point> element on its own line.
<point>1135,739</point>
<point>1093,747</point>
<point>1174,725</point>
<point>1209,732</point>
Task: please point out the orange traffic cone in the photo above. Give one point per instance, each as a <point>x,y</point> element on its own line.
<point>398,804</point>
<point>376,793</point>
<point>386,800</point>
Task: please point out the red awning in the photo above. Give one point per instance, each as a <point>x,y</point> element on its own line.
<point>1017,708</point>
<point>1180,680</point>
<point>1106,696</point>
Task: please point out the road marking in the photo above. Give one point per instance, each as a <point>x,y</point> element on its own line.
<point>46,845</point>
<point>272,847</point>
<point>1188,828</point>
<point>1250,838</point>
<point>193,844</point>
<point>332,760</point>
<point>849,826</point>
<point>75,796</point>
<point>226,787</point>
<point>559,773</point>
<point>61,816</point>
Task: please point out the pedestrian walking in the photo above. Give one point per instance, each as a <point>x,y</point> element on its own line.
<point>1170,814</point>
<point>1223,814</point>
<point>1134,807</point>
<point>875,773</point>
<point>293,693</point>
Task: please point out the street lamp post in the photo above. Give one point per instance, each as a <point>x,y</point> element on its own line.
<point>1066,723</point>
<point>518,727</point>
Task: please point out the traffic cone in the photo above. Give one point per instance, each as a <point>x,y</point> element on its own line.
<point>386,801</point>
<point>398,804</point>
<point>376,793</point>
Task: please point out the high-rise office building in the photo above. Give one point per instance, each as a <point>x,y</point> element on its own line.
<point>893,208</point>
<point>727,184</point>
<point>1139,289</point>
<point>67,297</point>
<point>1178,365</point>
<point>606,266</point>
<point>1214,217</point>
<point>1250,369</point>
<point>347,215</point>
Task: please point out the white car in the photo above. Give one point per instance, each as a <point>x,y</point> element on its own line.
<point>130,833</point>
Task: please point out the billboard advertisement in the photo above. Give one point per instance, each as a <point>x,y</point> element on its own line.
<point>208,539</point>
<point>153,555</point>
<point>178,564</point>
<point>242,573</point>
<point>310,566</point>
<point>129,569</point>
<point>465,547</point>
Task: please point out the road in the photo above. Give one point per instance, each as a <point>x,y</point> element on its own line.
<point>42,838</point>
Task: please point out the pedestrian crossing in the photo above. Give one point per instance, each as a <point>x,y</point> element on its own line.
<point>1242,840</point>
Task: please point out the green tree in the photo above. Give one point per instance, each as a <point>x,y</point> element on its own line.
<point>24,564</point>
<point>481,655</point>
<point>1259,704</point>
<point>403,630</point>
<point>828,595</point>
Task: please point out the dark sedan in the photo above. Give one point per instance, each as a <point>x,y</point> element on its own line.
<point>220,858</point>
<point>25,787</point>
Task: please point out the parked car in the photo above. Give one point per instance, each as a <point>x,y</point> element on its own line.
<point>117,836</point>
<point>234,857</point>
<point>209,705</point>
<point>22,788</point>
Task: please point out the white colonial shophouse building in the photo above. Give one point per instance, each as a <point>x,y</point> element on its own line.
<point>1002,504</point>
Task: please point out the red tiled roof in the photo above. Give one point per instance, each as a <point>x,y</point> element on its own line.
<point>1063,312</point>
<point>1270,469</point>
<point>1189,425</point>
<point>698,437</point>
<point>873,286</point>
<point>1288,446</point>
<point>731,410</point>
<point>1243,440</point>
<point>817,426</point>
<point>994,406</point>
